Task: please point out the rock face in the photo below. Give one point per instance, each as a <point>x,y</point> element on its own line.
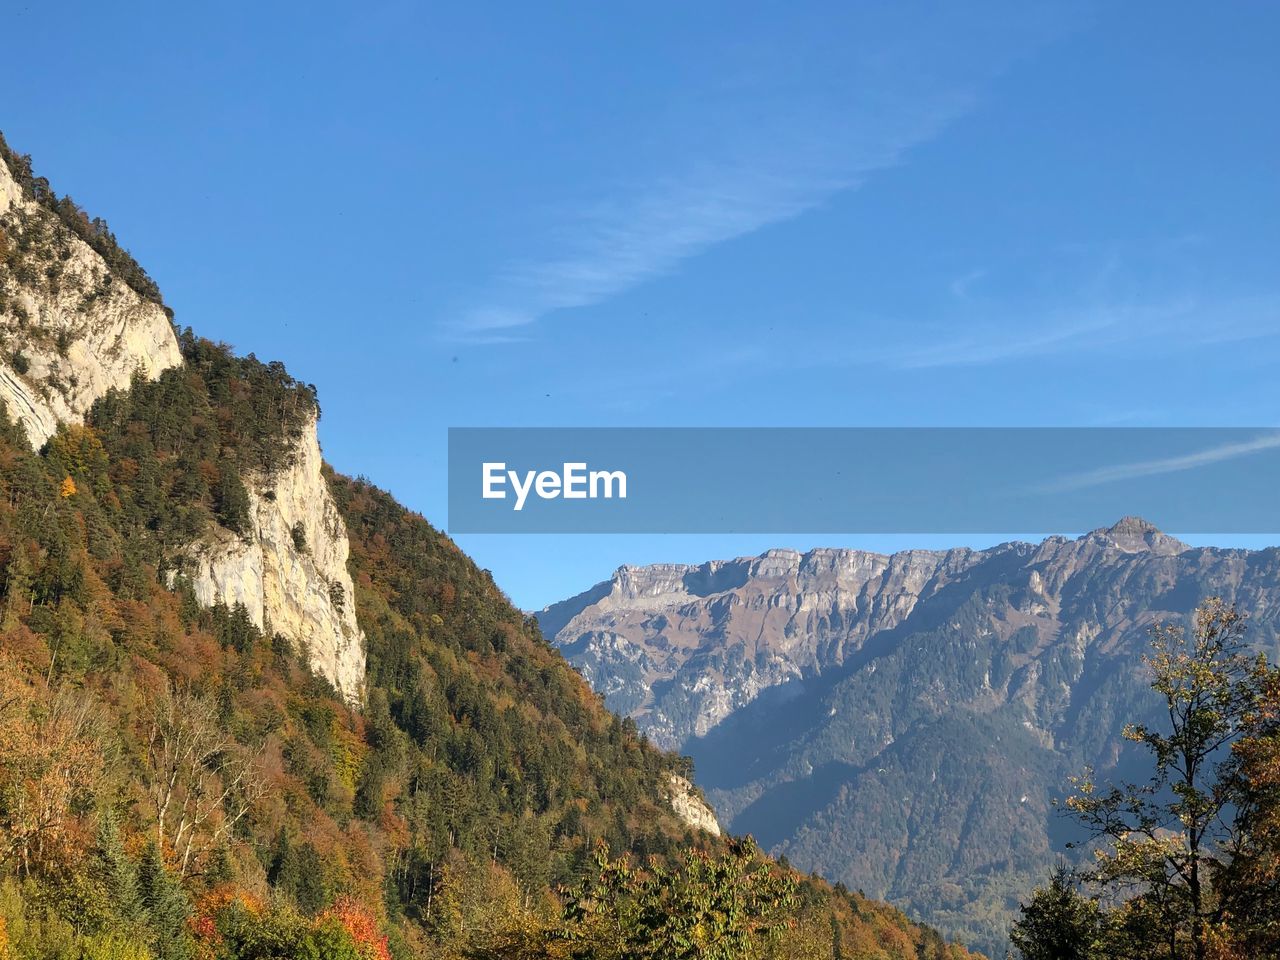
<point>69,330</point>
<point>303,593</point>
<point>690,807</point>
<point>904,724</point>
<point>680,648</point>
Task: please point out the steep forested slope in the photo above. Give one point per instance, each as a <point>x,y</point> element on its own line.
<point>177,781</point>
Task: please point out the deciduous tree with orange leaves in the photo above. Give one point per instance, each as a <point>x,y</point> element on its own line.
<point>50,765</point>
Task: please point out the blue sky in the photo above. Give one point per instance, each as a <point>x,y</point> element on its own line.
<point>686,214</point>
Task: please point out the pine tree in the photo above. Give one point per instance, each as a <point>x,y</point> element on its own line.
<point>1059,923</point>
<point>298,872</point>
<point>231,500</point>
<point>118,872</point>
<point>166,907</point>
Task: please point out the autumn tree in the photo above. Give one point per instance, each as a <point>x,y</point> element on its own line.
<point>1249,885</point>
<point>53,759</point>
<point>1167,839</point>
<point>201,782</point>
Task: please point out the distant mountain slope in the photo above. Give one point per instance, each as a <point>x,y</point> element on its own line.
<point>903,723</point>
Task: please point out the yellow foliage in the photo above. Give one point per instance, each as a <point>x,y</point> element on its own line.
<point>114,946</point>
<point>348,754</point>
<point>68,488</point>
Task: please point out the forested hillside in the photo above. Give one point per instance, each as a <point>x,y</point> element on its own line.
<point>177,782</point>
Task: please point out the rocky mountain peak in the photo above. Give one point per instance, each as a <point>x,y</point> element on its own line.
<point>1135,535</point>
<point>684,646</point>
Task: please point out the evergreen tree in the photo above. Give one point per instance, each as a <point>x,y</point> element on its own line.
<point>118,873</point>
<point>165,905</point>
<point>231,502</point>
<point>1059,923</point>
<point>298,872</point>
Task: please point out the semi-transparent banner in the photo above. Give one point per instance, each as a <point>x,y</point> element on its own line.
<point>861,480</point>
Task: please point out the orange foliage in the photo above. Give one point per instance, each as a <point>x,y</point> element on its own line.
<point>209,472</point>
<point>26,647</point>
<point>53,757</point>
<point>362,926</point>
<point>203,922</point>
<point>448,595</point>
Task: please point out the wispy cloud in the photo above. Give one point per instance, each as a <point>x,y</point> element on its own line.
<point>635,241</point>
<point>756,151</point>
<point>620,245</point>
<point>1150,468</point>
<point>1004,343</point>
<point>962,285</point>
<point>1163,326</point>
<point>649,231</point>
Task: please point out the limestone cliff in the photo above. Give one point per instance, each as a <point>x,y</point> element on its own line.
<point>291,571</point>
<point>72,329</point>
<point>69,329</point>
<point>690,807</point>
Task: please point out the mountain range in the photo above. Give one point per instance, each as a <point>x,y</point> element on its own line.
<point>905,724</point>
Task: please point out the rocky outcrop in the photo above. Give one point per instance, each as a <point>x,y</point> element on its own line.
<point>290,572</point>
<point>690,807</point>
<point>69,329</point>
